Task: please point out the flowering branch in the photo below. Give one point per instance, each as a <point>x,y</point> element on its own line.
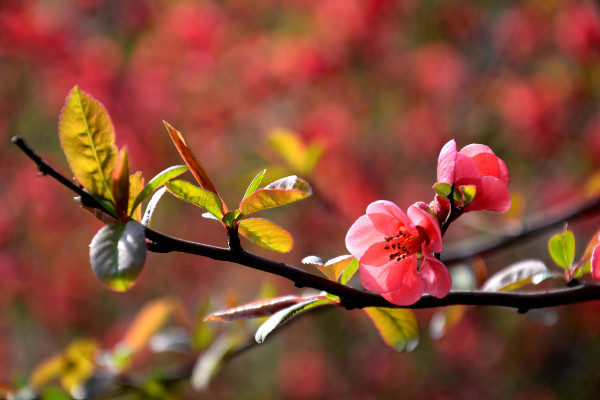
<point>352,298</point>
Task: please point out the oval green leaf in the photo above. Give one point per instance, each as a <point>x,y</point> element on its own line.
<point>562,249</point>
<point>398,327</point>
<point>266,234</point>
<point>282,316</point>
<point>278,193</point>
<point>349,271</point>
<point>206,199</point>
<point>159,180</point>
<point>117,254</point>
<point>87,137</point>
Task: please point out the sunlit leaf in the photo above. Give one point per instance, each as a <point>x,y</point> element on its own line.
<point>87,138</point>
<point>53,393</point>
<point>278,193</point>
<point>117,254</point>
<point>398,327</point>
<point>468,194</point>
<point>444,319</point>
<point>294,151</point>
<point>443,189</point>
<point>282,316</point>
<point>190,159</point>
<point>136,184</point>
<point>230,217</point>
<point>159,180</point>
<point>260,308</point>
<point>349,271</point>
<point>147,322</point>
<point>266,234</point>
<point>151,207</point>
<point>333,268</point>
<point>255,183</point>
<point>210,362</point>
<point>196,195</point>
<point>562,249</point>
<point>120,184</point>
<point>517,275</point>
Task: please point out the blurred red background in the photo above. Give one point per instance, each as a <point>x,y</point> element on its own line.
<point>381,85</point>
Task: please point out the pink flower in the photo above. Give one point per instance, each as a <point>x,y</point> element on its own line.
<point>596,262</point>
<point>394,250</point>
<point>476,165</point>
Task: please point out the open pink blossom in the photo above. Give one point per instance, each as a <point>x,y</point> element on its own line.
<point>596,262</point>
<point>477,165</point>
<point>395,249</point>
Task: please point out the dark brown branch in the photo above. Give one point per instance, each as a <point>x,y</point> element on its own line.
<point>355,298</point>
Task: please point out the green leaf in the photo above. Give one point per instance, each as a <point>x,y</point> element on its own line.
<point>293,150</point>
<point>210,362</point>
<point>278,193</point>
<point>468,194</point>
<point>398,327</point>
<point>562,249</point>
<point>208,200</point>
<point>517,275</point>
<point>87,138</point>
<point>333,268</point>
<point>230,218</point>
<point>282,316</point>
<point>350,271</point>
<point>255,183</point>
<point>117,254</point>
<point>266,234</point>
<point>260,308</point>
<point>159,180</point>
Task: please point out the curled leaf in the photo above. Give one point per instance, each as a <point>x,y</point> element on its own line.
<point>87,137</point>
<point>517,275</point>
<point>117,254</point>
<point>278,193</point>
<point>152,206</point>
<point>282,316</point>
<point>260,308</point>
<point>333,268</point>
<point>266,234</point>
<point>255,183</point>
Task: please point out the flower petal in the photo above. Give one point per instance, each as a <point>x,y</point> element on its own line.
<point>376,255</point>
<point>361,235</point>
<point>397,282</point>
<point>466,172</point>
<point>423,219</point>
<point>596,262</point>
<point>447,163</point>
<point>435,277</point>
<point>492,194</point>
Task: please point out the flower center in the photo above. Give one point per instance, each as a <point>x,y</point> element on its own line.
<point>404,243</point>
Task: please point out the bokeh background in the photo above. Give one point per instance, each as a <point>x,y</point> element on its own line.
<point>380,86</point>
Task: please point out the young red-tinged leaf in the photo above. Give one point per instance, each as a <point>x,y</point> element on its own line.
<point>444,319</point>
<point>278,193</point>
<point>88,140</point>
<point>294,151</point>
<point>191,161</point>
<point>136,184</point>
<point>255,183</point>
<point>210,362</point>
<point>398,327</point>
<point>333,268</point>
<point>147,322</point>
<point>208,200</point>
<point>120,184</point>
<point>73,366</point>
<point>260,308</point>
<point>562,249</point>
<point>117,254</point>
<point>147,219</point>
<point>159,180</point>
<point>282,316</point>
<point>349,271</point>
<point>266,234</point>
<point>517,275</point>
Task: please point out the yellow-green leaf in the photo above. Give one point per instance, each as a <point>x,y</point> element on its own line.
<point>208,200</point>
<point>136,183</point>
<point>562,249</point>
<point>87,138</point>
<point>260,308</point>
<point>333,268</point>
<point>266,234</point>
<point>300,157</point>
<point>278,193</point>
<point>398,327</point>
<point>159,180</point>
